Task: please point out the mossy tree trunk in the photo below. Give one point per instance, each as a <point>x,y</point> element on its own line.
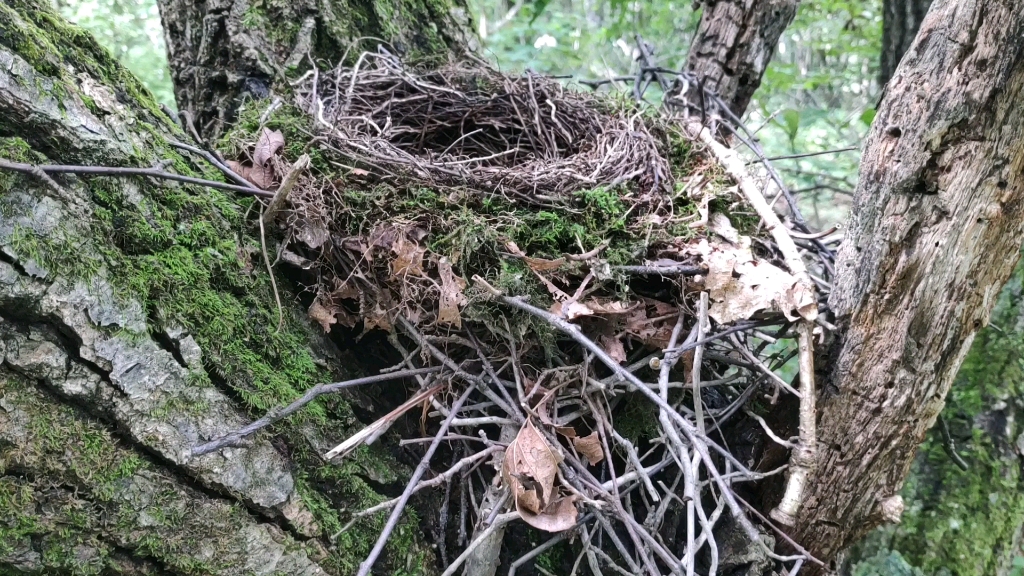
<point>967,521</point>
<point>936,231</point>
<point>221,52</point>
<point>136,320</point>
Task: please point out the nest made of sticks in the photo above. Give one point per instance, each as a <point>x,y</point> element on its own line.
<point>546,257</point>
<point>526,137</point>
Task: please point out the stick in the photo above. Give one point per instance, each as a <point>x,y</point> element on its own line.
<point>698,357</point>
<point>417,474</point>
<point>117,171</point>
<point>804,457</point>
<point>802,462</point>
<point>234,438</point>
<point>498,522</point>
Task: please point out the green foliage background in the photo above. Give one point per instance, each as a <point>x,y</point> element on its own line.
<point>819,94</point>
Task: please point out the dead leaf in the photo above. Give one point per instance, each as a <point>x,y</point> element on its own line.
<point>590,447</point>
<point>740,285</point>
<point>613,346</point>
<point>567,431</point>
<point>345,290</point>
<point>262,176</point>
<point>609,307</point>
<point>653,330</point>
<point>451,295</point>
<point>536,264</point>
<point>374,315</point>
<point>570,310</point>
<point>408,258</point>
<point>559,516</point>
<point>237,168</point>
<point>321,314</point>
<point>269,142</point>
<point>529,470</point>
<point>312,234</point>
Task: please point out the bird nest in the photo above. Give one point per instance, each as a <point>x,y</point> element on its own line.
<point>580,291</point>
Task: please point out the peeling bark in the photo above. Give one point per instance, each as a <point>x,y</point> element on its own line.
<point>935,233</point>
<point>734,43</point>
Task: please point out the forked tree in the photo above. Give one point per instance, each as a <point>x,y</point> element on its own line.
<point>104,390</point>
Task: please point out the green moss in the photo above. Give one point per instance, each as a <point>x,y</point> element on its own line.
<point>55,48</point>
<point>58,252</point>
<point>78,491</point>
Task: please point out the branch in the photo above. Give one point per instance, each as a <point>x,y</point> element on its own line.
<point>417,474</point>
<point>118,171</point>
<point>234,438</point>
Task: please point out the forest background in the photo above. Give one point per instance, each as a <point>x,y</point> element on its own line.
<point>814,106</point>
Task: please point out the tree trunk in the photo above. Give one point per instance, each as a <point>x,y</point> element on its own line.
<point>222,52</point>
<point>970,521</point>
<point>936,228</point>
<point>734,42</point>
<point>901,20</point>
<point>136,321</point>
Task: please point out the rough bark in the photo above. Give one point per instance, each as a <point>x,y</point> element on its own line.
<point>221,51</point>
<point>136,322</point>
<point>900,21</point>
<point>970,521</point>
<point>936,228</point>
<point>734,43</point>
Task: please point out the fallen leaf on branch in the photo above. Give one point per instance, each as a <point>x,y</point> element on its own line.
<point>408,258</point>
<point>268,144</point>
<point>311,234</point>
<point>570,310</point>
<point>613,347</point>
<point>609,307</point>
<point>559,516</point>
<point>529,470</point>
<point>590,447</point>
<point>567,431</point>
<point>741,285</point>
<point>653,330</point>
<point>344,290</point>
<point>451,295</point>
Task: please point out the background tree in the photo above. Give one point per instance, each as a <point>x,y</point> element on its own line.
<point>901,21</point>
<point>734,43</point>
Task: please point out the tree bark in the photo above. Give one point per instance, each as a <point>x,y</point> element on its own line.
<point>135,323</point>
<point>221,52</point>
<point>970,521</point>
<point>936,228</point>
<point>901,20</point>
<point>734,43</point>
